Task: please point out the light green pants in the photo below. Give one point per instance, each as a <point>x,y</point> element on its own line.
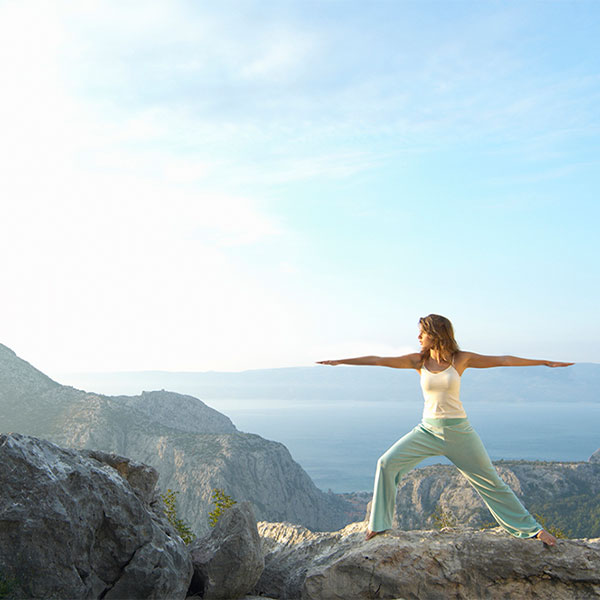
<point>458,441</point>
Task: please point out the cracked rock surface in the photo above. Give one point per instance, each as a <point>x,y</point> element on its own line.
<point>84,525</point>
<point>461,564</point>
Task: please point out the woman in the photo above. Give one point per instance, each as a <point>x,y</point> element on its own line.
<point>445,429</point>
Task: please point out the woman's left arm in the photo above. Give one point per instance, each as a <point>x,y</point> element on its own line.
<point>481,361</point>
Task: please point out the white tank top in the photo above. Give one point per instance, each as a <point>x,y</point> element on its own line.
<point>442,394</point>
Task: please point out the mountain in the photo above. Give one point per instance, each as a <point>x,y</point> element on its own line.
<point>535,384</point>
<point>193,447</point>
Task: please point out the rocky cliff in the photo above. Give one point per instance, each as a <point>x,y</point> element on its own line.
<point>193,447</point>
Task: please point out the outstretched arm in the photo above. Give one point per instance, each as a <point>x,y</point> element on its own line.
<point>480,361</point>
<point>408,361</point>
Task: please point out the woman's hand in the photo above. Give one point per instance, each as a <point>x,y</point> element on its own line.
<point>550,363</point>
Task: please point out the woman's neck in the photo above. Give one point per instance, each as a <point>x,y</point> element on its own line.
<point>439,358</point>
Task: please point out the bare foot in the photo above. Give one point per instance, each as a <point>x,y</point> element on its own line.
<point>371,534</point>
<point>546,537</point>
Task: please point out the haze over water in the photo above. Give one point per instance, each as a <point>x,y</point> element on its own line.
<point>339,444</point>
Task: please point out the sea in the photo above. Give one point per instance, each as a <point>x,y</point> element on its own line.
<point>338,443</point>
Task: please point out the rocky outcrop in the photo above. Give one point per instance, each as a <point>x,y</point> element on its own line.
<point>194,448</point>
<point>595,458</point>
<point>461,564</point>
<point>229,561</point>
<point>83,525</point>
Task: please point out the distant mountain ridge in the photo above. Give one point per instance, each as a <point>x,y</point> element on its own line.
<point>580,381</point>
<point>194,447</point>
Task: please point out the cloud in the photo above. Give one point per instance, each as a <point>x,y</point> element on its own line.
<point>259,95</point>
<point>282,54</point>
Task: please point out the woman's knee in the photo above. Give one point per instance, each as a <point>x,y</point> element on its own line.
<point>392,462</point>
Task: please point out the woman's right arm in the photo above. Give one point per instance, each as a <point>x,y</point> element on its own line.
<point>408,361</point>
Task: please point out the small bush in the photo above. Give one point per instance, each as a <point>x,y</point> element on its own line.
<point>170,507</point>
<point>222,503</point>
<point>443,518</point>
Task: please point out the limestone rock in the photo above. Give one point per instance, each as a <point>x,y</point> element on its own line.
<point>142,478</point>
<point>72,526</point>
<point>595,458</point>
<point>461,564</point>
<point>229,560</point>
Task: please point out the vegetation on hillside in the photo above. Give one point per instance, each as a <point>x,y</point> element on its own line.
<point>552,529</point>
<point>443,518</point>
<point>577,516</point>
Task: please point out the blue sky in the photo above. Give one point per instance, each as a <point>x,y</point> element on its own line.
<point>236,185</point>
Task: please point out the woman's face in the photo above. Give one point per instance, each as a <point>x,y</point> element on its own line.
<point>425,339</point>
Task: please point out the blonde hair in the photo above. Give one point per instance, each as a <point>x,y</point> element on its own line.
<point>442,333</point>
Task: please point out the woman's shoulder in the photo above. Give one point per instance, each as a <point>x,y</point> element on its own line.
<point>460,360</point>
<point>463,354</point>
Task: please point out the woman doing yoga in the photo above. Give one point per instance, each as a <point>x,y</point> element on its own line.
<point>445,429</point>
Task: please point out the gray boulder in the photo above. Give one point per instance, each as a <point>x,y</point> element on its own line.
<point>461,564</point>
<point>81,525</point>
<point>228,561</point>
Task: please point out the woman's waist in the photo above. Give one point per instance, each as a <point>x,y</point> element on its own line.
<point>444,422</point>
<point>446,409</point>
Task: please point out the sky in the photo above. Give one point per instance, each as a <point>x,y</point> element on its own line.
<point>195,186</point>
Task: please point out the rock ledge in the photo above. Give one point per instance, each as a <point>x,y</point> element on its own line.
<point>452,563</point>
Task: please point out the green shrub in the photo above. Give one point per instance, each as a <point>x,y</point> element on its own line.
<point>170,507</point>
<point>222,503</point>
<point>443,518</point>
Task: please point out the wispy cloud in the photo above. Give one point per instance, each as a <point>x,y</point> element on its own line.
<point>225,88</point>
